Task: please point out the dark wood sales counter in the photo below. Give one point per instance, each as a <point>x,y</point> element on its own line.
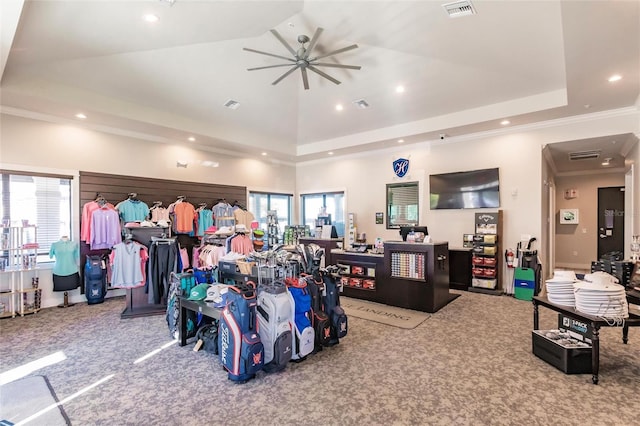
<point>408,275</point>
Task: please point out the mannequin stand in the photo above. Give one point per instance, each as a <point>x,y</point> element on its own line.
<point>66,303</point>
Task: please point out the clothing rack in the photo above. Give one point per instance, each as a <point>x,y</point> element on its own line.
<point>137,299</point>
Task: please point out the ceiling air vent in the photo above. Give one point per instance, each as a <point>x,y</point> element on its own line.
<point>459,8</point>
<point>232,104</point>
<point>361,103</point>
<point>584,155</point>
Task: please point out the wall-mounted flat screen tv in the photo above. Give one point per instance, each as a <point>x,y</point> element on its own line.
<point>476,189</point>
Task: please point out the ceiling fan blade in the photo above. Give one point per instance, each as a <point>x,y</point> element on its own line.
<point>305,80</point>
<point>270,66</point>
<point>268,54</point>
<point>313,42</point>
<point>335,52</point>
<point>323,64</point>
<point>325,75</point>
<point>283,41</point>
<point>293,68</point>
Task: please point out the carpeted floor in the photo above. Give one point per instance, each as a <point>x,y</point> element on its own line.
<point>470,363</point>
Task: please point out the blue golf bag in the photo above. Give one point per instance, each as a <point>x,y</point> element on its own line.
<point>239,345</point>
<point>95,279</point>
<point>302,314</point>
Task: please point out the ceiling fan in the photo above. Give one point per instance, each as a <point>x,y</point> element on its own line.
<point>302,58</point>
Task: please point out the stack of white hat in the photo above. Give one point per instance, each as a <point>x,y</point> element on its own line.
<point>560,288</point>
<point>600,295</point>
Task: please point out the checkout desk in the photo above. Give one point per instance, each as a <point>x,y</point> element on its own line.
<point>408,275</point>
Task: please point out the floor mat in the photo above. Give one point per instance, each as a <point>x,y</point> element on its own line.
<point>390,315</point>
<point>24,398</point>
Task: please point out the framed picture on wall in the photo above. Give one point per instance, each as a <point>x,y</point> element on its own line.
<point>569,216</point>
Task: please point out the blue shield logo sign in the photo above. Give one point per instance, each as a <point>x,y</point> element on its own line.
<point>401,167</point>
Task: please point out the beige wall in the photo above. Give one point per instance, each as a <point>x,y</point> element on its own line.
<point>577,245</point>
<point>40,146</point>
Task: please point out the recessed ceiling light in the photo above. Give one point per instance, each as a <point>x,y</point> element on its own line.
<point>339,107</point>
<point>330,153</point>
<point>149,17</point>
<point>400,140</point>
<point>505,122</point>
<point>81,116</point>
<point>615,77</point>
<point>191,139</point>
<point>400,89</point>
<point>264,153</point>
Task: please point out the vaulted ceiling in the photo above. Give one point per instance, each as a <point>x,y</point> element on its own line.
<point>166,81</point>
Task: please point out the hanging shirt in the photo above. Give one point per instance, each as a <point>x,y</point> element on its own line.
<point>241,244</point>
<point>66,253</point>
<point>243,217</point>
<point>133,210</point>
<point>205,220</point>
<point>184,213</point>
<point>223,215</point>
<point>128,262</point>
<point>159,213</point>
<point>87,212</point>
<point>105,229</point>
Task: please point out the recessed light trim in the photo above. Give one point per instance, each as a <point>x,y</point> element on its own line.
<point>191,139</point>
<point>330,152</point>
<point>400,89</point>
<point>339,107</point>
<point>505,122</point>
<point>614,78</point>
<point>81,116</point>
<point>400,140</point>
<point>264,153</point>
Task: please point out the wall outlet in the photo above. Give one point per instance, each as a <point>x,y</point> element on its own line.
<point>584,230</point>
<point>575,253</point>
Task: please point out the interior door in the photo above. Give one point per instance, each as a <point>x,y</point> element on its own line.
<point>610,220</point>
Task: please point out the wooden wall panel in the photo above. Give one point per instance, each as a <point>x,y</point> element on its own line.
<point>116,188</point>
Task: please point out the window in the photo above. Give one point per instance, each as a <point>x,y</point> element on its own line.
<point>42,200</point>
<point>402,204</point>
<point>261,202</point>
<point>330,203</point>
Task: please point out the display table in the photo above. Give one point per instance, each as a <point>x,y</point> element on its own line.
<point>195,306</point>
<point>595,323</point>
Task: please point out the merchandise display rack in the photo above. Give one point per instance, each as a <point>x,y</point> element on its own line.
<point>18,265</point>
<point>486,259</point>
<point>272,228</point>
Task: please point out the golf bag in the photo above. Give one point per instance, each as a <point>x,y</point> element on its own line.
<point>303,334</point>
<point>180,285</point>
<point>319,320</point>
<point>239,345</point>
<point>274,325</point>
<point>331,302</point>
<point>95,279</point>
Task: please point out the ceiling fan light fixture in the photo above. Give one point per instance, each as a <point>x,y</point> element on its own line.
<point>300,59</point>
